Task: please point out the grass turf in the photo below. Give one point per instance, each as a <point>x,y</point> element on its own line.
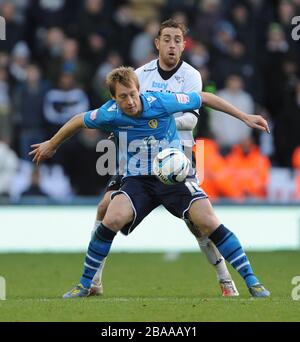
<point>145,287</point>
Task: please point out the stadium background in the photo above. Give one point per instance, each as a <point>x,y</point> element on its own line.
<point>53,64</point>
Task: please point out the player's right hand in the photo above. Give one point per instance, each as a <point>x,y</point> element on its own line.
<point>42,151</point>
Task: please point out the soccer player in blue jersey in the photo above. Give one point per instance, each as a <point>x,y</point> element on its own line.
<point>131,112</point>
<point>169,73</point>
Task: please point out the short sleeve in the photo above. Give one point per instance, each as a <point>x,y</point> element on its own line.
<point>97,119</point>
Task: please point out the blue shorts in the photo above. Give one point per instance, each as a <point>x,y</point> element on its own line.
<point>147,192</point>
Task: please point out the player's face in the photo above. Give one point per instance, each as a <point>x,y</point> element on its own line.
<point>170,46</point>
<point>128,99</point>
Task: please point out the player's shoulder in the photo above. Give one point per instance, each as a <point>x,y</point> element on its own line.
<point>109,106</point>
<point>147,68</point>
<point>153,99</point>
<point>108,110</point>
<point>189,69</point>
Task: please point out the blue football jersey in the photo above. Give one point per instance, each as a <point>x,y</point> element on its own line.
<point>141,138</point>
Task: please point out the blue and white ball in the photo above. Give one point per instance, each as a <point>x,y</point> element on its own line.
<point>171,166</point>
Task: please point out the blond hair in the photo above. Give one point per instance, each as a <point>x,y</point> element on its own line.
<point>123,75</point>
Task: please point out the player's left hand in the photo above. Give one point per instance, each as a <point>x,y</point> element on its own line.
<point>42,151</point>
<point>258,122</point>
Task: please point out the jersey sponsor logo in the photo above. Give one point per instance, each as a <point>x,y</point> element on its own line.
<point>182,98</point>
<point>112,108</point>
<point>93,114</point>
<point>153,123</point>
<point>160,85</point>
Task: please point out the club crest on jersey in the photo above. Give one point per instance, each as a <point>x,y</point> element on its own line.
<point>179,79</point>
<point>153,123</point>
<point>93,114</point>
<point>182,98</point>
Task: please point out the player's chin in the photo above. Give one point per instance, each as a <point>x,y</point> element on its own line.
<point>131,111</point>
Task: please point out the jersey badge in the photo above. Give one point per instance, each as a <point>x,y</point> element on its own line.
<point>93,114</point>
<point>182,98</point>
<point>153,123</point>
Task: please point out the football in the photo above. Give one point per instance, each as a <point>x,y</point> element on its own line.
<point>171,166</point>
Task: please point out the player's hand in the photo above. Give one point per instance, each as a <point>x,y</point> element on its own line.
<point>42,151</point>
<point>258,122</point>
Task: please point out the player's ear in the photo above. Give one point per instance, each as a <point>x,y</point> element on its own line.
<point>156,42</point>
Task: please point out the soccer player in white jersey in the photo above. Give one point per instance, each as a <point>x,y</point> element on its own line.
<point>169,73</point>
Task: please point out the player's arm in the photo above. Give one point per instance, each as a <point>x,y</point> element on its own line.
<point>217,103</point>
<point>47,149</point>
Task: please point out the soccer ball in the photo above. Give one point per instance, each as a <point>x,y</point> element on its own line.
<point>171,166</point>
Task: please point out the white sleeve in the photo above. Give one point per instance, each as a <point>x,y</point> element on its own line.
<point>186,122</point>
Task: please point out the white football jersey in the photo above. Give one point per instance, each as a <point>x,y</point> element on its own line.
<point>184,78</point>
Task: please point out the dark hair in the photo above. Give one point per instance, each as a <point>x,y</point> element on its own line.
<point>123,75</point>
<point>172,23</point>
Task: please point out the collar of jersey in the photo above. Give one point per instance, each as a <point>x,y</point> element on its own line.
<point>165,75</point>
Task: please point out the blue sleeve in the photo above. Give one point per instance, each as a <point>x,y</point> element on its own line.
<point>98,118</point>
<point>180,102</point>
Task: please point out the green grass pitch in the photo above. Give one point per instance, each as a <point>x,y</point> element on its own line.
<point>145,287</point>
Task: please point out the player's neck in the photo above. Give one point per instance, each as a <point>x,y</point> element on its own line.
<point>165,71</point>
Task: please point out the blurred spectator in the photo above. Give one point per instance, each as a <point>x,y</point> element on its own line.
<point>50,50</point>
<point>296,166</point>
<point>218,181</point>
<point>29,99</point>
<point>14,30</point>
<point>249,169</point>
<point>8,167</point>
<point>100,91</point>
<point>19,62</point>
<point>224,37</point>
<point>228,130</point>
<point>64,102</point>
<point>93,29</point>
<point>79,162</point>
<point>5,107</point>
<point>70,62</point>
<point>287,127</point>
<point>206,20</point>
<point>198,56</point>
<point>123,31</point>
<point>188,7</point>
<point>47,13</point>
<point>237,61</point>
<point>50,180</point>
<point>276,52</point>
<point>34,188</point>
<point>242,25</point>
<point>286,11</point>
<point>143,43</point>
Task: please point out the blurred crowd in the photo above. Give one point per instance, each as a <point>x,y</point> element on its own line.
<point>57,53</point>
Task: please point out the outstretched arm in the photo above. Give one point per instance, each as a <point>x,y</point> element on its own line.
<point>47,149</point>
<point>253,121</point>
